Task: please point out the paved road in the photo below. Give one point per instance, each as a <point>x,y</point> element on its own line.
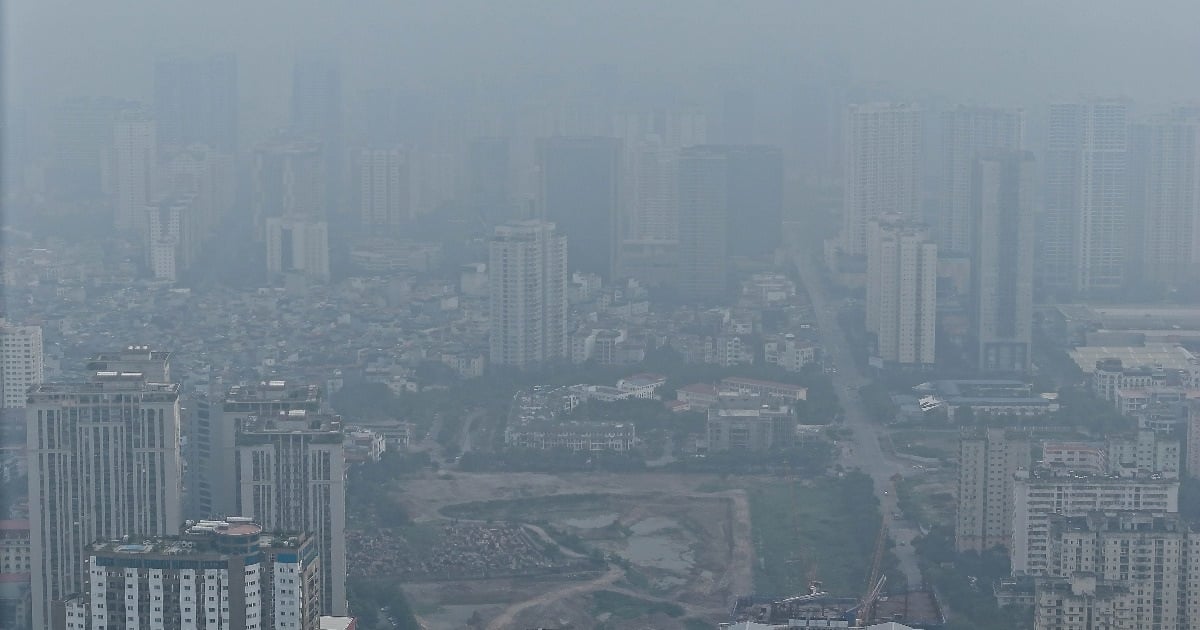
<point>865,454</point>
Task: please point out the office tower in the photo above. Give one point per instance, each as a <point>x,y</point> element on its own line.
<point>902,291</point>
<point>135,161</point>
<point>1082,235</point>
<point>1002,249</point>
<point>966,133</point>
<point>703,199</point>
<point>104,463</point>
<point>755,191</point>
<point>196,102</point>
<point>1042,493</point>
<point>1165,199</point>
<point>1149,553</point>
<point>173,235</point>
<point>988,460</point>
<point>291,470</point>
<point>288,182</point>
<point>489,176</point>
<point>21,362</point>
<point>212,468</point>
<point>579,178</point>
<point>212,575</point>
<point>882,168</point>
<point>527,280</point>
<point>316,113</point>
<point>384,188</point>
<point>656,209</point>
<point>298,246</point>
<point>207,174</point>
<point>82,142</point>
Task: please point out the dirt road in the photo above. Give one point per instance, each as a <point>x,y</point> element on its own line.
<point>506,618</point>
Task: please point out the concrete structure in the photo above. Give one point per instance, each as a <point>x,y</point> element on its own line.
<point>901,292</point>
<point>785,393</point>
<point>744,423</point>
<point>1083,235</point>
<point>288,181</point>
<point>527,280</point>
<point>703,198</point>
<point>1042,493</point>
<point>196,102</point>
<point>988,461</point>
<point>882,158</point>
<point>291,470</point>
<point>22,364</point>
<point>104,463</point>
<point>967,133</point>
<point>655,193</point>
<point>580,193</point>
<point>174,232</point>
<point>1002,246</point>
<point>790,353</point>
<point>298,246</point>
<point>217,574</point>
<point>384,191</point>
<point>643,385</point>
<point>16,563</point>
<point>135,161</point>
<point>1142,454</point>
<point>1193,439</point>
<point>986,396</point>
<point>1165,198</point>
<point>206,174</point>
<point>1082,602</point>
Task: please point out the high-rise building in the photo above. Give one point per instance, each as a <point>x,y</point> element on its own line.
<point>1193,439</point>
<point>902,292</point>
<point>291,472</point>
<point>104,463</point>
<point>196,102</point>
<point>1042,493</point>
<point>316,114</point>
<point>882,168</point>
<point>384,188</point>
<point>173,235</point>
<point>703,199</point>
<point>82,139</point>
<point>298,246</point>
<point>214,575</point>
<point>656,208</point>
<point>135,162</point>
<point>212,460</point>
<point>288,182</point>
<point>1082,602</point>
<point>1165,198</point>
<point>966,133</point>
<point>580,194</point>
<point>755,190</point>
<point>527,280</point>
<point>1002,249</point>
<point>988,461</point>
<point>1083,233</point>
<point>489,177</point>
<point>21,362</point>
<point>207,174</point>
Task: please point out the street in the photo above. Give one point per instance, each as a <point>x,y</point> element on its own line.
<point>866,453</point>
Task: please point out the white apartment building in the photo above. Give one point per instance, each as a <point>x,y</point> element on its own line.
<point>21,362</point>
<point>988,462</point>
<point>297,245</point>
<point>174,232</point>
<point>527,281</point>
<point>1042,494</point>
<point>207,174</point>
<point>901,292</point>
<point>104,463</point>
<point>1082,602</point>
<point>968,132</point>
<point>882,158</point>
<point>216,575</point>
<point>291,468</point>
<point>135,162</point>
<point>384,190</point>
<point>1166,189</point>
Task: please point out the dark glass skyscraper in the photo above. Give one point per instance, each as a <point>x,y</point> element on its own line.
<point>580,195</point>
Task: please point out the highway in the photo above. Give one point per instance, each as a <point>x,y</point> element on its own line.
<point>865,454</point>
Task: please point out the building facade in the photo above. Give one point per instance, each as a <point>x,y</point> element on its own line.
<point>988,462</point>
<point>298,246</point>
<point>291,469</point>
<point>968,132</point>
<point>135,161</point>
<point>104,463</point>
<point>384,190</point>
<point>902,292</point>
<point>882,157</point>
<point>703,197</point>
<point>527,281</point>
<point>196,102</point>
<point>22,364</point>
<point>1002,262</point>
<point>1165,198</point>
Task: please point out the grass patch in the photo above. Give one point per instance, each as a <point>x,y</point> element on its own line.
<point>623,606</point>
<point>826,530</point>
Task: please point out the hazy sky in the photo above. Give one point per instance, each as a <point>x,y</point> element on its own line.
<point>1018,51</point>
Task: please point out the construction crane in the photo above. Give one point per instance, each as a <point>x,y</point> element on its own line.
<point>876,579</point>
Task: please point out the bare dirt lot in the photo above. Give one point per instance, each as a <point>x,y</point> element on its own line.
<point>631,549</point>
